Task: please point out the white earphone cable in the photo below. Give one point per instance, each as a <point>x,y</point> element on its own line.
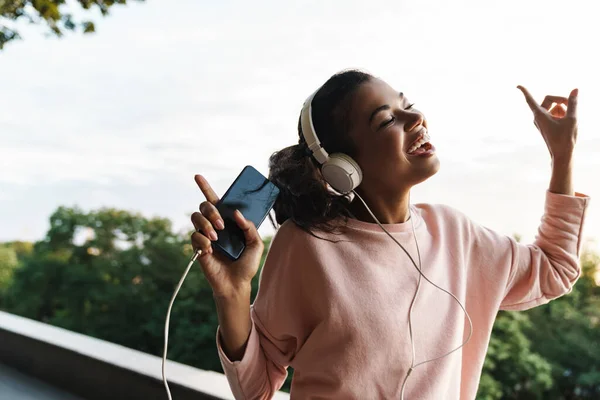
<point>164,358</point>
<point>413,365</point>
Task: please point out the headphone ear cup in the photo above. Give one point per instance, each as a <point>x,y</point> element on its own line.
<point>342,172</point>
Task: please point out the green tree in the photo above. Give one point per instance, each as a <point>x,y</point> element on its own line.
<point>566,332</point>
<point>8,263</point>
<point>551,351</point>
<point>11,256</point>
<point>512,370</point>
<point>111,274</point>
<point>53,13</point>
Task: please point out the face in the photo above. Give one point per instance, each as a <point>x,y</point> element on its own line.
<point>387,132</point>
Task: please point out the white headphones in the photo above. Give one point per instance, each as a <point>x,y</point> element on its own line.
<point>339,169</point>
<point>344,175</point>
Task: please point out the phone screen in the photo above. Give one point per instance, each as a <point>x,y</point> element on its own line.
<point>252,194</point>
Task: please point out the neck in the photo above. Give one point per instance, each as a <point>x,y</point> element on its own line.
<point>389,207</point>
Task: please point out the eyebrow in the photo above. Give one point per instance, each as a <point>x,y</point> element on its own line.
<point>382,108</point>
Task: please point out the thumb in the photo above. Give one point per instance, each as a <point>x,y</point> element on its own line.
<point>251,235</point>
<point>530,100</point>
<point>572,105</point>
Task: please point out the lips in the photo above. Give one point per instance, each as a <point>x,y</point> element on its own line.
<point>422,132</point>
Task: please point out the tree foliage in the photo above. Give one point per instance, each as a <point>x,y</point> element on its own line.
<point>53,13</point>
<point>566,332</point>
<point>551,351</point>
<point>10,253</point>
<point>111,273</point>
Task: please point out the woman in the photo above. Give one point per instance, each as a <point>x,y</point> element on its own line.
<point>335,291</point>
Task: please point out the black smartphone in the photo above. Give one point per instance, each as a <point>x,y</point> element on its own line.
<point>252,194</point>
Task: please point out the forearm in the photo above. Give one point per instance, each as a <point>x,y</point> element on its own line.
<point>561,181</point>
<point>234,323</point>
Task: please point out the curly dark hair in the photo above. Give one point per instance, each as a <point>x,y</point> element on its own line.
<point>304,195</point>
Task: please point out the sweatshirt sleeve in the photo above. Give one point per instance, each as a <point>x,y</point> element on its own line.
<point>255,376</point>
<point>533,274</point>
<point>277,325</point>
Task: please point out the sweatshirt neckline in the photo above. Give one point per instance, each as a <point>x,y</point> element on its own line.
<point>400,227</point>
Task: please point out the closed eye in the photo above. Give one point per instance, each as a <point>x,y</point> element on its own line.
<point>392,118</point>
<point>388,122</point>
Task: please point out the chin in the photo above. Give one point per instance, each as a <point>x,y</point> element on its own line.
<point>429,170</point>
<point>435,165</point>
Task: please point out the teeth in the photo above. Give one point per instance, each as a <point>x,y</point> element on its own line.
<point>422,141</point>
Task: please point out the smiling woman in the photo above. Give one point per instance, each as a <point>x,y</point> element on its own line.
<point>421,143</point>
<point>337,297</point>
<point>383,124</point>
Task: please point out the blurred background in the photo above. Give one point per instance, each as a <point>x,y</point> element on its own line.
<point>108,111</point>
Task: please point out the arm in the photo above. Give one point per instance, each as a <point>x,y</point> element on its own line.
<point>257,342</point>
<point>549,267</point>
<point>234,323</point>
<point>244,347</point>
<point>561,181</point>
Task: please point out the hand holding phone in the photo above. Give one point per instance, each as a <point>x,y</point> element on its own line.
<point>253,195</point>
<point>234,234</point>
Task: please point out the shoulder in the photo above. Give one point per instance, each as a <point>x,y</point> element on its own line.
<point>469,231</point>
<point>296,251</point>
<point>290,264</point>
<point>288,230</point>
<point>290,235</point>
<point>437,212</point>
<point>291,243</point>
<point>449,222</point>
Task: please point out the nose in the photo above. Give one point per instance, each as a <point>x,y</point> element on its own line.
<point>413,121</point>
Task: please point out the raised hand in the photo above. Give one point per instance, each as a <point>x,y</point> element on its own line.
<point>557,125</point>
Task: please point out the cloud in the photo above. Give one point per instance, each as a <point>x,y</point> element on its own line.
<point>125,117</point>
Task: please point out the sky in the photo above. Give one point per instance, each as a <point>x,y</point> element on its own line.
<point>167,89</point>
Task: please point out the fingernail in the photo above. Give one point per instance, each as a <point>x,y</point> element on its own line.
<point>219,224</point>
<point>575,92</point>
<point>240,214</point>
<point>213,235</point>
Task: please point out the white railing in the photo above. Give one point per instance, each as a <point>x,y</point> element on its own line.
<point>104,358</point>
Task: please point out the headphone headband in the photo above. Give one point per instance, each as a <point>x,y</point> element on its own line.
<point>339,170</point>
<point>308,131</point>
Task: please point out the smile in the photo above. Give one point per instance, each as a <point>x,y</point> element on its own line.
<point>422,146</point>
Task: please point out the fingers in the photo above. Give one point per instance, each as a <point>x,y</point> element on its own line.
<point>250,233</point>
<point>201,242</point>
<point>210,212</point>
<point>572,108</point>
<point>558,111</point>
<point>530,101</point>
<point>208,192</point>
<point>549,100</point>
<point>204,225</point>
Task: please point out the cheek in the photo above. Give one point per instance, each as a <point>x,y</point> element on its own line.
<point>389,150</point>
<point>393,145</point>
<point>382,150</point>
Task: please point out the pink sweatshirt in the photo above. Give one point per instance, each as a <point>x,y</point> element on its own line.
<point>338,312</point>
